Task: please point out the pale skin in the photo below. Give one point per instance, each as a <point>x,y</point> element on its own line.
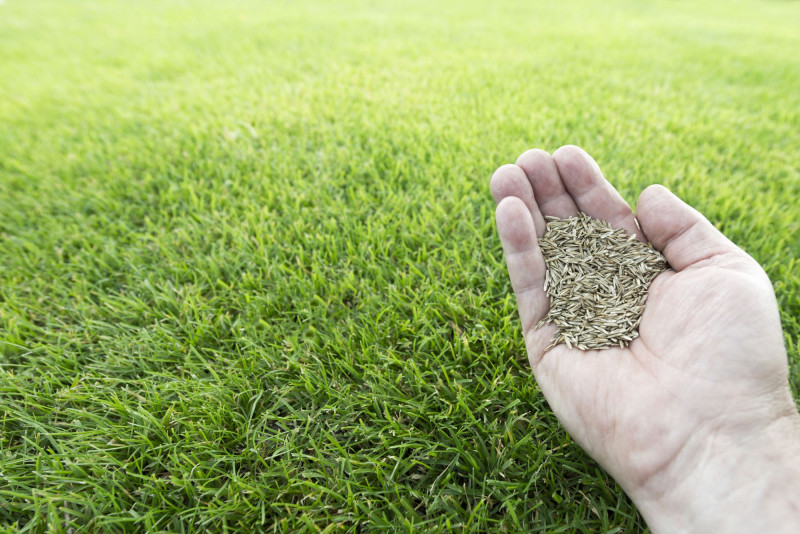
<point>694,419</point>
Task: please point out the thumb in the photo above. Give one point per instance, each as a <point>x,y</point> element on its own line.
<point>679,231</point>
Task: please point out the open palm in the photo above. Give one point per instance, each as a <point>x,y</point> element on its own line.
<point>709,364</point>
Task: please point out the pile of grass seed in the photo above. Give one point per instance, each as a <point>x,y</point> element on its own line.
<point>597,280</point>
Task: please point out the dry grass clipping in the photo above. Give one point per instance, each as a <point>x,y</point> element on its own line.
<point>597,279</point>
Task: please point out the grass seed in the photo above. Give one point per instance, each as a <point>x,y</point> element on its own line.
<point>597,279</point>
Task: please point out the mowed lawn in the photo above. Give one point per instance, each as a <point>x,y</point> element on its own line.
<point>249,277</point>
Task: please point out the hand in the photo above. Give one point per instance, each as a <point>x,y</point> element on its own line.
<point>700,400</point>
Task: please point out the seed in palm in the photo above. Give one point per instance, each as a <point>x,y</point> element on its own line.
<point>597,280</point>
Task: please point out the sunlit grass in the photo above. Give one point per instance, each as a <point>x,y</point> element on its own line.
<point>248,272</point>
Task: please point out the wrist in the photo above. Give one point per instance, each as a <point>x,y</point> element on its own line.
<point>727,481</point>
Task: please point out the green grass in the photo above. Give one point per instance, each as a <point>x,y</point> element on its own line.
<point>249,278</point>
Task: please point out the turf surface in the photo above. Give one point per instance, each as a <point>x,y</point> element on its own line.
<point>249,276</point>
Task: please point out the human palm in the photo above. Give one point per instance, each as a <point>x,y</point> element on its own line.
<point>709,364</point>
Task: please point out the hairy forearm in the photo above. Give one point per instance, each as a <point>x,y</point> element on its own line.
<point>749,484</point>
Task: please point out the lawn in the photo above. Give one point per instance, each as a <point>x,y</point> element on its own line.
<point>249,276</point>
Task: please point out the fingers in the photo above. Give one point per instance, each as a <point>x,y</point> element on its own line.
<point>548,188</point>
<point>524,260</point>
<point>591,192</point>
<point>510,181</point>
<point>519,221</point>
<point>679,231</point>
